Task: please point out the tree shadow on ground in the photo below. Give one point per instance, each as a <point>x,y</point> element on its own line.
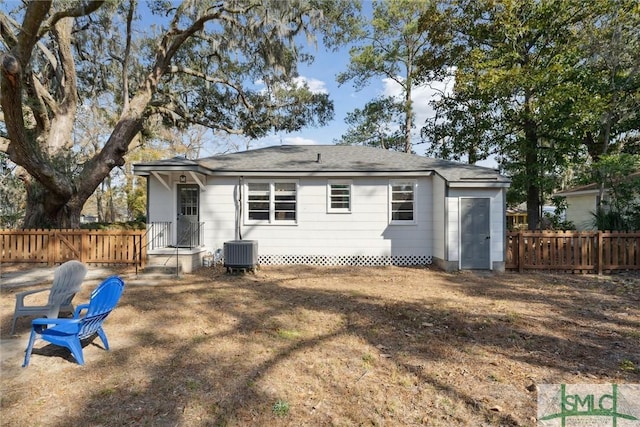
<point>52,350</point>
<point>199,352</point>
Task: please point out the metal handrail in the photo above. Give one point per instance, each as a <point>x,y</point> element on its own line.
<point>151,243</point>
<point>193,235</point>
<point>161,237</point>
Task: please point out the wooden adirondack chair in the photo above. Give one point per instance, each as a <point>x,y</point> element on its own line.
<point>67,280</point>
<point>69,332</point>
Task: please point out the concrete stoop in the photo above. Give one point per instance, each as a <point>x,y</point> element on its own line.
<point>188,260</point>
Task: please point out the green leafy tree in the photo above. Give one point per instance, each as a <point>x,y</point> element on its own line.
<point>464,126</point>
<point>518,77</point>
<point>388,47</point>
<point>378,124</point>
<point>619,175</point>
<point>556,220</point>
<point>610,76</point>
<point>198,64</point>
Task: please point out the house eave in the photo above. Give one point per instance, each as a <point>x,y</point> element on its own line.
<point>146,170</point>
<point>579,193</point>
<point>478,184</point>
<point>332,173</point>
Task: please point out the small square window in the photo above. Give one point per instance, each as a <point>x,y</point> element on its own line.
<point>339,197</point>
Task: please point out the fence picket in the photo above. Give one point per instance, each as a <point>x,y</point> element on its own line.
<point>90,246</point>
<point>583,252</point>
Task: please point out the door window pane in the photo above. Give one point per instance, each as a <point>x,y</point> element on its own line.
<point>189,201</point>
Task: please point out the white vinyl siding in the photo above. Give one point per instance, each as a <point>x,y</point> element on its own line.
<point>365,231</point>
<point>580,210</point>
<point>402,202</point>
<point>270,202</point>
<point>339,197</point>
<point>439,211</point>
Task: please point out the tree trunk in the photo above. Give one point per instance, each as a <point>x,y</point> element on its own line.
<point>111,210</point>
<point>408,111</point>
<point>46,210</point>
<point>532,168</point>
<point>533,197</point>
<point>99,207</point>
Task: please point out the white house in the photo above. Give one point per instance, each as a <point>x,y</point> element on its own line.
<point>328,205</point>
<point>582,203</point>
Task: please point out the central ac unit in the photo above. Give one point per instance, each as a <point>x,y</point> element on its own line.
<point>241,254</point>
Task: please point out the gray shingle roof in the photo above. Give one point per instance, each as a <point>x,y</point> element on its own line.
<point>594,187</point>
<point>326,159</point>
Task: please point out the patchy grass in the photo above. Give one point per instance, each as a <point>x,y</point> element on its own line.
<point>291,346</point>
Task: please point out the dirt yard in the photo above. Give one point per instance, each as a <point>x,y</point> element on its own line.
<point>311,346</point>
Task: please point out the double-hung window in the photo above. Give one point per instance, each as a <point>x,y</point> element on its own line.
<point>272,202</point>
<point>339,197</point>
<point>402,202</point>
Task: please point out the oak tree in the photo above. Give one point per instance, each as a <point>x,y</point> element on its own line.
<point>200,62</point>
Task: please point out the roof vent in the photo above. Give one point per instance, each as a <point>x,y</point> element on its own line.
<point>319,160</point>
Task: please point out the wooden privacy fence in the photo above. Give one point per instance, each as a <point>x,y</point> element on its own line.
<point>580,252</point>
<point>89,246</point>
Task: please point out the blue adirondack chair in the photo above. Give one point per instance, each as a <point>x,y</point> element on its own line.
<point>69,332</point>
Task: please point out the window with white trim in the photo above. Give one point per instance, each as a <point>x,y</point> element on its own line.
<point>402,202</point>
<point>339,197</point>
<point>272,201</point>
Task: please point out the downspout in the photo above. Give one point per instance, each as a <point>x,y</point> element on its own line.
<point>239,209</point>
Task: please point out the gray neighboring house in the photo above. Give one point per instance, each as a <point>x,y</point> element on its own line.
<point>327,205</point>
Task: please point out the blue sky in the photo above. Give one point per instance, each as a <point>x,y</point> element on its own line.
<point>321,76</point>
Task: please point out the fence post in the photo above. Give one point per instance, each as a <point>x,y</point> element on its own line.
<point>599,252</point>
<point>52,247</point>
<point>520,252</point>
<point>84,245</point>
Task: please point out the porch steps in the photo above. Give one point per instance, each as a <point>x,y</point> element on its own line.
<point>169,270</point>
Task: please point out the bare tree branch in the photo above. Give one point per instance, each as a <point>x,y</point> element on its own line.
<point>81,9</point>
<point>30,31</point>
<point>42,99</point>
<point>9,38</point>
<point>194,73</point>
<point>127,53</point>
